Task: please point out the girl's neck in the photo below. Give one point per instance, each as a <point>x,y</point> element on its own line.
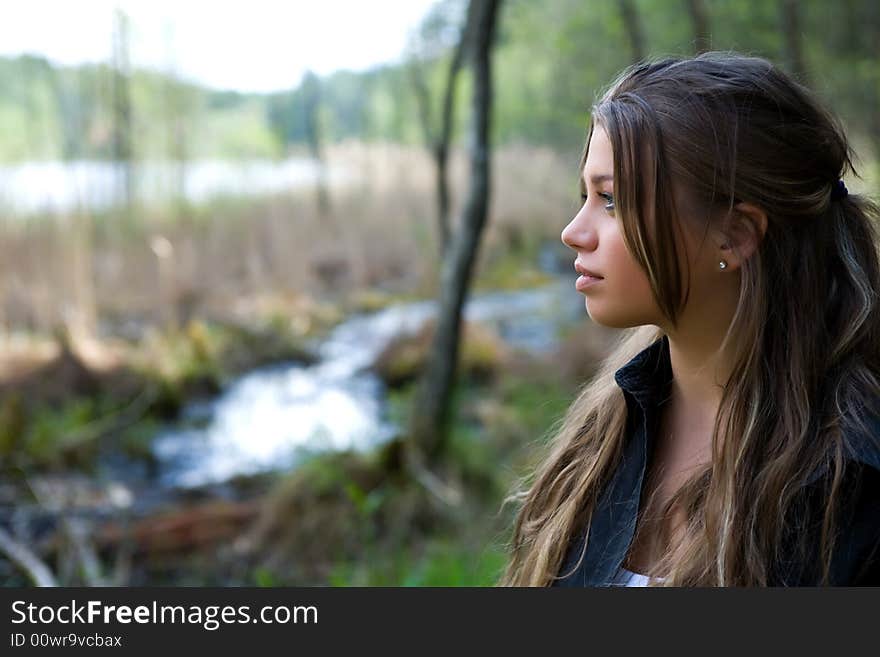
<point>699,374</point>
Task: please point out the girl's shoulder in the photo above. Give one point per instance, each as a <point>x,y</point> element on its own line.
<point>857,560</point>
<point>861,440</point>
<point>859,524</point>
<point>856,489</point>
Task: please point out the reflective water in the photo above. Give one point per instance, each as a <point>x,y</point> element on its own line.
<point>269,418</point>
<point>55,187</point>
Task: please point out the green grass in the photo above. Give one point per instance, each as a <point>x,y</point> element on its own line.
<point>441,562</point>
<point>511,269</point>
<point>485,451</point>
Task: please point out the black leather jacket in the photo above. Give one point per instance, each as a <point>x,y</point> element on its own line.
<point>644,381</point>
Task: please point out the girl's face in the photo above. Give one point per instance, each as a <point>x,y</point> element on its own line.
<point>622,298</point>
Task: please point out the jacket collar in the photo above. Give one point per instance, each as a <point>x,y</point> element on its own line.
<point>645,376</point>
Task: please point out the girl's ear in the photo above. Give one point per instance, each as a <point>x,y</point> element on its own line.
<point>745,230</point>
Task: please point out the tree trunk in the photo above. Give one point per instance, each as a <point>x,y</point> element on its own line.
<point>84,321</point>
<point>439,144</point>
<point>441,152</point>
<point>423,100</point>
<point>872,24</point>
<point>702,36</point>
<point>123,153</point>
<point>633,26</point>
<point>311,87</point>
<point>429,421</point>
<point>790,13</point>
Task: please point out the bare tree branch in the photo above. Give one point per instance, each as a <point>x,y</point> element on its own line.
<point>77,532</point>
<point>38,572</point>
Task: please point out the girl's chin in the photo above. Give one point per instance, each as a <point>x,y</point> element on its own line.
<point>603,318</point>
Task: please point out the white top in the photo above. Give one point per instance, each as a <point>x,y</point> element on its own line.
<point>626,577</point>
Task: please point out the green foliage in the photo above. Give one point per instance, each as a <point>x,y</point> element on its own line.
<point>12,423</point>
<point>494,424</point>
<point>442,561</point>
<point>511,270</point>
<point>50,428</point>
<point>451,564</point>
<point>203,356</point>
<point>537,401</point>
<point>136,441</point>
<point>56,112</point>
<point>366,502</point>
<point>264,577</point>
<point>66,434</point>
<point>552,59</point>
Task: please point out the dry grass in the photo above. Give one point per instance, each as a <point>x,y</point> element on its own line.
<point>237,257</point>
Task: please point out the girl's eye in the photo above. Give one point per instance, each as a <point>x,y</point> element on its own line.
<point>609,201</point>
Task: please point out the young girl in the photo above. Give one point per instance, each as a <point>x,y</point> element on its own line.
<point>732,438</point>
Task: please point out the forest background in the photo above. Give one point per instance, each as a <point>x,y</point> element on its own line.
<point>213,303</point>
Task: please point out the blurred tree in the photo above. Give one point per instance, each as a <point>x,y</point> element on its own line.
<point>345,104</point>
<point>430,416</point>
<point>633,26</point>
<point>82,315</point>
<point>790,15</point>
<point>122,120</point>
<point>872,99</point>
<point>438,139</point>
<point>68,95</point>
<point>851,29</point>
<point>179,109</point>
<point>36,79</point>
<point>314,129</point>
<point>550,61</point>
<point>700,21</point>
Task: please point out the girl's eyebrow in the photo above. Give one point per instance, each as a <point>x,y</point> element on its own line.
<point>598,178</point>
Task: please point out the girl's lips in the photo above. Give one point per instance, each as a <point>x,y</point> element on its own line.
<point>583,271</point>
<point>585,281</point>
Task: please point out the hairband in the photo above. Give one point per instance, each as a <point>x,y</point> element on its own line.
<point>838,191</point>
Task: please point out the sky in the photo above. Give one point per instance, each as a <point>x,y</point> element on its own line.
<point>252,45</point>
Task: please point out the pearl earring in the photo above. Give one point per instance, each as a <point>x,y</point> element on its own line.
<point>722,264</point>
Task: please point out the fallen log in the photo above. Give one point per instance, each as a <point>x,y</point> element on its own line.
<point>181,530</point>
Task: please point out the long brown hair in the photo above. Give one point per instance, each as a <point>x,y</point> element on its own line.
<point>806,331</point>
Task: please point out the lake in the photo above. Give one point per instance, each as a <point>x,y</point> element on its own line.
<point>88,185</point>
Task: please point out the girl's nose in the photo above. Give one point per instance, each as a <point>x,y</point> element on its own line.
<point>579,235</point>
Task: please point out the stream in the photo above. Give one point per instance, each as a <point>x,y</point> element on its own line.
<point>271,417</point>
<point>201,481</point>
<point>267,420</point>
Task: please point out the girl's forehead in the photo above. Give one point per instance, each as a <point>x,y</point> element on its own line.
<point>599,164</point>
<point>599,150</point>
